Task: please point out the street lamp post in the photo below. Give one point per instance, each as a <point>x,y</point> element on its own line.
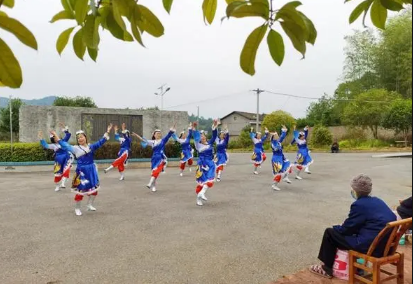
<point>162,91</point>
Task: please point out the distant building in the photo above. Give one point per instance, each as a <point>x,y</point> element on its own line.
<point>238,120</point>
<point>94,121</point>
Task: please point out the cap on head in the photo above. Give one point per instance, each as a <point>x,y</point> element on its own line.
<point>154,133</point>
<point>362,184</point>
<point>80,132</point>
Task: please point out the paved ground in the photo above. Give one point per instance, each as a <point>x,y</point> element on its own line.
<point>246,234</point>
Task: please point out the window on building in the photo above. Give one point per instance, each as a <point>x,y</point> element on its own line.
<point>235,118</point>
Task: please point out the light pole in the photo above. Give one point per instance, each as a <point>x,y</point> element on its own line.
<point>162,91</point>
<point>11,131</point>
<point>258,92</point>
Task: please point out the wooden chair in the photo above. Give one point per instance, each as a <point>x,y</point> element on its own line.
<point>395,231</point>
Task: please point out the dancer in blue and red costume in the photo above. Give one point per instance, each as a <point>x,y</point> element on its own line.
<point>205,175</point>
<point>304,160</point>
<point>158,157</point>
<point>281,166</point>
<point>258,156</point>
<point>63,159</point>
<point>221,158</point>
<point>86,181</point>
<point>125,149</point>
<point>187,155</point>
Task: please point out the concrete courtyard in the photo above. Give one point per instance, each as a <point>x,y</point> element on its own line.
<point>245,234</point>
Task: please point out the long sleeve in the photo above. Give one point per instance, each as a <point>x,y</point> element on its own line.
<point>283,136</point>
<point>117,137</point>
<point>214,137</point>
<point>306,131</point>
<point>189,137</point>
<point>167,137</point>
<point>264,138</point>
<point>295,138</point>
<point>47,146</point>
<point>68,135</point>
<point>252,135</point>
<point>354,222</point>
<point>74,150</point>
<point>197,136</point>
<point>99,144</point>
<point>227,139</point>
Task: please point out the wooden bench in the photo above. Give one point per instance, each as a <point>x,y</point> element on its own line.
<point>395,230</point>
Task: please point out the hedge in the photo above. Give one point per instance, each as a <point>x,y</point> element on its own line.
<point>33,152</point>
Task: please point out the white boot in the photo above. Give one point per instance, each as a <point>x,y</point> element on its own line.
<point>203,192</point>
<point>108,169</point>
<point>219,176</point>
<point>57,189</point>
<point>122,177</point>
<point>287,179</point>
<point>190,169</point>
<point>63,184</point>
<point>181,174</point>
<point>151,182</point>
<point>90,203</point>
<point>275,187</point>
<point>78,205</point>
<point>199,201</point>
<point>307,170</point>
<point>298,177</point>
<point>154,186</point>
<point>256,171</point>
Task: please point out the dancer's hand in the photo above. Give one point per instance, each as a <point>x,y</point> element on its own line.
<point>40,135</point>
<point>295,127</point>
<point>266,130</point>
<point>252,129</point>
<point>62,125</point>
<point>285,128</point>
<point>110,126</point>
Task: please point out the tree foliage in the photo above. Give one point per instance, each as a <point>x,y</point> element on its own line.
<point>323,112</point>
<point>75,102</point>
<point>5,116</point>
<point>368,109</point>
<point>129,21</point>
<point>321,136</point>
<point>399,117</point>
<point>277,119</point>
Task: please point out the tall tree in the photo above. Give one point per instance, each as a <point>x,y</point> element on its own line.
<point>369,109</point>
<point>399,117</point>
<point>75,102</point>
<point>323,112</point>
<point>277,119</point>
<point>5,116</point>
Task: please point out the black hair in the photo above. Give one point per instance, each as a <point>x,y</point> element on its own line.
<point>53,140</point>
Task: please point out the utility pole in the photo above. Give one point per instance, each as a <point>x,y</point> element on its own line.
<point>258,92</point>
<point>11,131</point>
<point>162,93</point>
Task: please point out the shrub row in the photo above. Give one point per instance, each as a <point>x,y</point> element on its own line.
<point>33,152</point>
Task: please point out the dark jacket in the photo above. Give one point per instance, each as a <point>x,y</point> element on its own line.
<point>405,208</point>
<point>368,217</point>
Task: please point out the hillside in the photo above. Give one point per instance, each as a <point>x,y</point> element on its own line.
<point>47,101</point>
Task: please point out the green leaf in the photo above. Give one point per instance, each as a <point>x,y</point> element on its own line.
<point>115,29</point>
<point>63,40</point>
<point>8,3</point>
<point>249,52</point>
<point>93,53</point>
<point>238,10</point>
<point>276,46</point>
<point>78,45</point>
<point>392,5</point>
<point>311,30</point>
<point>362,7</point>
<point>379,15</point>
<point>297,36</point>
<point>149,22</point>
<point>10,71</point>
<point>62,15</point>
<point>289,14</point>
<point>81,9</point>
<point>116,4</point>
<point>19,30</point>
<point>167,4</point>
<point>3,14</point>
<point>210,8</point>
<point>294,5</point>
<point>135,31</point>
<point>68,5</point>
<point>91,32</point>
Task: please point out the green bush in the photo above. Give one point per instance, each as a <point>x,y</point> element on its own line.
<point>33,152</point>
<point>321,136</point>
<point>366,144</point>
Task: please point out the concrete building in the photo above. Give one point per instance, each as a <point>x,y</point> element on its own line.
<point>94,121</point>
<point>238,120</point>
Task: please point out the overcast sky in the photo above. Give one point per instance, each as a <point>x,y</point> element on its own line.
<point>198,62</point>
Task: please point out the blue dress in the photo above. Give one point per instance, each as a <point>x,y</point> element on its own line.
<point>63,159</point>
<point>280,164</point>
<point>187,151</point>
<point>303,156</point>
<point>158,157</point>
<point>206,165</point>
<point>87,178</point>
<point>258,157</point>
<point>125,144</point>
<point>222,158</point>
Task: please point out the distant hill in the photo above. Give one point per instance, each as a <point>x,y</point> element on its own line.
<point>47,101</point>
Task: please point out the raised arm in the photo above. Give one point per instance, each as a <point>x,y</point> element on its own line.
<point>67,133</point>
<point>214,137</point>
<point>47,146</point>
<point>168,136</point>
<point>189,137</point>
<point>283,135</point>
<point>265,137</point>
<point>306,131</point>
<point>102,141</point>
<point>74,150</point>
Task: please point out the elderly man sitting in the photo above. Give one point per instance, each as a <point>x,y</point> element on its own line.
<point>368,217</point>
